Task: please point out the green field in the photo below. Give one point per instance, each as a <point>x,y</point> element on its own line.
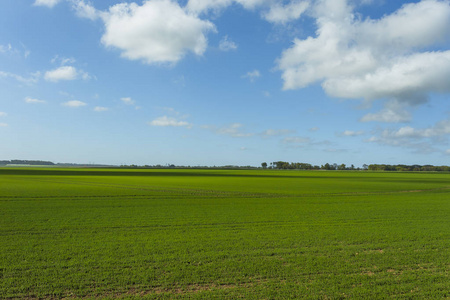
<point>202,234</point>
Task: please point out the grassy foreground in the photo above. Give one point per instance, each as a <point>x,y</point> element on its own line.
<point>202,234</point>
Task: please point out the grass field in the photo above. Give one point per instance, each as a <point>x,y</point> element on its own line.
<point>205,234</point>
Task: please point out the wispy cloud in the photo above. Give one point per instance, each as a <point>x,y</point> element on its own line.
<point>100,108</point>
<point>276,132</point>
<point>74,103</point>
<point>233,130</point>
<point>48,3</point>
<point>350,133</point>
<point>34,77</point>
<point>166,121</point>
<point>127,100</point>
<point>252,75</point>
<point>227,45</point>
<point>34,101</point>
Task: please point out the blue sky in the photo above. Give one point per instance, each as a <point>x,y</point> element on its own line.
<point>218,82</point>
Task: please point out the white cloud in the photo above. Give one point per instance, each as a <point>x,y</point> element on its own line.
<point>203,6</point>
<point>388,115</point>
<point>48,3</point>
<point>127,100</point>
<point>373,59</point>
<point>233,130</point>
<point>74,103</point>
<point>282,14</point>
<point>62,60</point>
<point>3,114</point>
<point>296,140</point>
<point>100,108</point>
<point>351,133</point>
<point>199,6</point>
<point>423,140</point>
<point>252,75</point>
<point>393,112</point>
<point>61,73</point>
<point>3,125</point>
<point>4,49</point>
<point>85,10</point>
<point>34,101</point>
<point>447,151</point>
<point>227,44</point>
<point>276,132</point>
<point>34,77</point>
<point>314,129</point>
<point>165,121</point>
<point>158,31</point>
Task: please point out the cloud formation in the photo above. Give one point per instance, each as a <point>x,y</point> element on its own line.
<point>422,140</point>
<point>166,121</point>
<point>65,73</point>
<point>158,31</point>
<point>226,44</point>
<point>100,109</point>
<point>387,58</point>
<point>33,78</point>
<point>252,75</point>
<point>281,14</point>
<point>276,132</point>
<point>34,101</point>
<point>74,103</point>
<point>351,133</point>
<point>48,3</point>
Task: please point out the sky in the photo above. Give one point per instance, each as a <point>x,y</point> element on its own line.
<point>225,82</point>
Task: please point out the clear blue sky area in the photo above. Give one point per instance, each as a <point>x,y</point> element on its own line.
<point>219,82</point>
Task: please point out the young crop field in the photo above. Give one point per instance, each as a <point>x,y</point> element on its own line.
<point>223,234</point>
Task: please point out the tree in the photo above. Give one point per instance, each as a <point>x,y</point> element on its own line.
<point>264,165</point>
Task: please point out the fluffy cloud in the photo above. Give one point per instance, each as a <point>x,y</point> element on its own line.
<point>158,31</point>
<point>282,14</point>
<point>74,103</point>
<point>3,114</point>
<point>65,73</point>
<point>34,101</point>
<point>423,140</point>
<point>48,3</point>
<point>166,121</point>
<point>85,10</point>
<point>227,44</point>
<point>100,109</point>
<point>373,59</point>
<point>296,140</point>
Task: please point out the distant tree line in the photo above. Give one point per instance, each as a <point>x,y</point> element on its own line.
<point>284,165</point>
<point>429,168</point>
<point>26,162</point>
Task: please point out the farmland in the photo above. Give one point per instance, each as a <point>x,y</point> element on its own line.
<point>202,234</point>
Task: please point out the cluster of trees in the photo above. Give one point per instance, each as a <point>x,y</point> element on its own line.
<point>283,165</point>
<point>429,168</point>
<point>26,162</point>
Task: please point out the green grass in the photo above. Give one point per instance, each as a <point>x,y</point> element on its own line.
<point>205,234</point>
